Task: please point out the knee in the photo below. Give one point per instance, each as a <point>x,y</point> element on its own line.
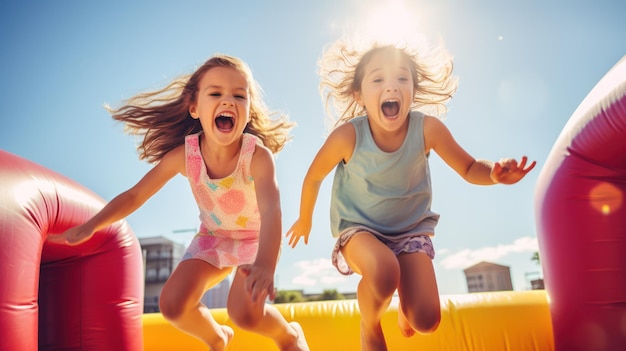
<point>428,324</point>
<point>425,321</point>
<point>244,318</point>
<point>172,308</point>
<point>384,281</point>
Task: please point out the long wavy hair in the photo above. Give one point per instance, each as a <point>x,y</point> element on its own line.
<point>162,117</point>
<point>341,70</point>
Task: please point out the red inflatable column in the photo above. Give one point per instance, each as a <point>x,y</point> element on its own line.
<point>55,297</point>
<point>581,221</point>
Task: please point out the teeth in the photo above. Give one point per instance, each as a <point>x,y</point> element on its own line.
<point>390,107</point>
<point>226,114</point>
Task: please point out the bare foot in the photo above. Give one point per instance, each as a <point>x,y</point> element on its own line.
<point>373,339</point>
<point>228,334</point>
<point>405,328</point>
<point>301,344</point>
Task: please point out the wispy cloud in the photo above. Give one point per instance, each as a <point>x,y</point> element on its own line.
<point>319,271</point>
<point>467,257</point>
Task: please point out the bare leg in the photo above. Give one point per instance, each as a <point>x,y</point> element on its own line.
<point>263,319</point>
<point>405,328</point>
<point>301,343</point>
<point>180,302</point>
<point>380,272</point>
<point>419,308</point>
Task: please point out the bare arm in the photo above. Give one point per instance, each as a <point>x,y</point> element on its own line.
<point>337,148</point>
<point>130,200</point>
<point>260,280</point>
<point>437,137</point>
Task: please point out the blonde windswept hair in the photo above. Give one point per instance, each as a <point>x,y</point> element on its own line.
<point>341,70</point>
<point>162,117</point>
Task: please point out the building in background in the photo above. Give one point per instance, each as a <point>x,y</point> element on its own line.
<point>486,276</point>
<point>535,280</point>
<point>160,257</point>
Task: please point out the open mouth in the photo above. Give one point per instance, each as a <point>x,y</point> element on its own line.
<point>391,108</point>
<point>225,123</point>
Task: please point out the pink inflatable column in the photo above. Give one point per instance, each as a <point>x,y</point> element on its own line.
<point>55,297</point>
<point>581,221</point>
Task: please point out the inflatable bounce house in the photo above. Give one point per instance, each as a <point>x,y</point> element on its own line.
<point>581,221</point>
<point>89,297</point>
<point>56,297</point>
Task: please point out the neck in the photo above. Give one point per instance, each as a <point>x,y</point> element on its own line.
<point>220,160</point>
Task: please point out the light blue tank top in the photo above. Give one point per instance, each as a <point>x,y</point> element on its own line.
<point>387,191</point>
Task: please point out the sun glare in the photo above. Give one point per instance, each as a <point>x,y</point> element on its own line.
<point>390,22</point>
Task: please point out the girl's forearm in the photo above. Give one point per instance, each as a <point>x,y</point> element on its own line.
<point>479,173</point>
<point>119,208</point>
<point>310,191</point>
<point>269,241</point>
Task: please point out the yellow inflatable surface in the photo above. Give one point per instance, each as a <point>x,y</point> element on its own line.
<point>499,321</point>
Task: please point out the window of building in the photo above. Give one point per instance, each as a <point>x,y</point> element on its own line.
<point>151,274</point>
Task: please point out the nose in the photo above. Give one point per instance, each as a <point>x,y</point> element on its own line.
<point>391,88</point>
<point>228,101</point>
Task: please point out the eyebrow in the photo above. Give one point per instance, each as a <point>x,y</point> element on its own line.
<point>221,87</point>
<point>375,70</point>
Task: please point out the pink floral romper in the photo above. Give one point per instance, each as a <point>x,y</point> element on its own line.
<point>229,215</point>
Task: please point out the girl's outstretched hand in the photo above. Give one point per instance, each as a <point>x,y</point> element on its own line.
<point>298,230</point>
<point>259,283</point>
<point>509,171</point>
<point>72,237</point>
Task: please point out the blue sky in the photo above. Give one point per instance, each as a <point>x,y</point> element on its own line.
<point>524,66</point>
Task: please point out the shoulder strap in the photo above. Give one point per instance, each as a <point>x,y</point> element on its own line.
<point>193,157</point>
<point>247,150</point>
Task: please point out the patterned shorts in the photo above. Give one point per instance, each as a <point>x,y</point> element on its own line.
<point>405,243</point>
<point>224,248</point>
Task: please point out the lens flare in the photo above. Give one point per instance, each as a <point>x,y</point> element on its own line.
<point>606,198</point>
